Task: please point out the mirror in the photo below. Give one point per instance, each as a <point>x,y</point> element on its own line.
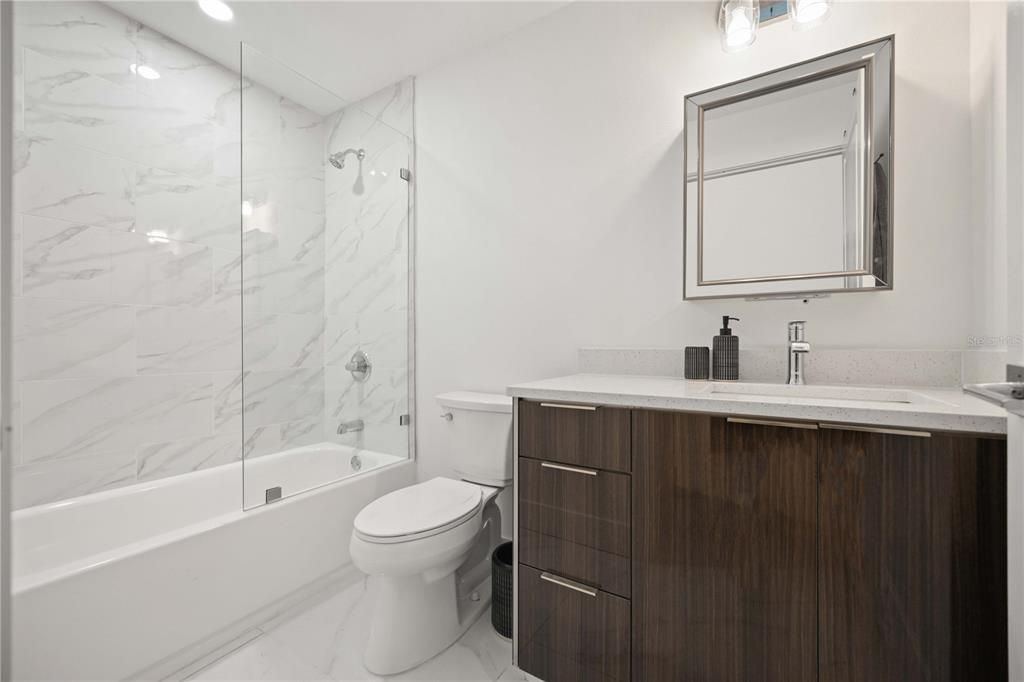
<point>788,180</point>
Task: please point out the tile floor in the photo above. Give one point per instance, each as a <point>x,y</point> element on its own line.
<point>325,642</point>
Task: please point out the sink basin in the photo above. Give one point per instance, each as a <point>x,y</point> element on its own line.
<point>888,396</point>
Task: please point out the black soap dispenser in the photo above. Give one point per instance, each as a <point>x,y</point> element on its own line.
<point>725,353</point>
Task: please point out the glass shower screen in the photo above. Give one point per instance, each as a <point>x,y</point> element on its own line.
<point>324,275</point>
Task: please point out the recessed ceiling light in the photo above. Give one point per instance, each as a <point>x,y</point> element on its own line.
<point>147,72</point>
<point>216,9</point>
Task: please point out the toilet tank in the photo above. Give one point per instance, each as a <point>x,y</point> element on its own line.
<point>479,436</point>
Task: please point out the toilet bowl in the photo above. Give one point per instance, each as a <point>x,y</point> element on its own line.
<point>427,546</point>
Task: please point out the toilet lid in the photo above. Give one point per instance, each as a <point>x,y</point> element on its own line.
<point>419,508</point>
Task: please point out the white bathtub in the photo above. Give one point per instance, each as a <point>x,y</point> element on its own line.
<point>144,578</point>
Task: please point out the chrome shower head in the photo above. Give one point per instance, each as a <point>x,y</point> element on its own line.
<point>337,159</point>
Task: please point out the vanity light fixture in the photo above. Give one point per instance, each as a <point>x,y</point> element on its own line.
<point>808,13</point>
<point>147,72</point>
<point>737,22</point>
<point>216,9</point>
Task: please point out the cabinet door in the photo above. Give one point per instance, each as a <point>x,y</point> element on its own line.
<point>912,558</point>
<point>723,549</point>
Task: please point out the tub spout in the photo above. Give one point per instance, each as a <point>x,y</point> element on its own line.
<point>346,427</point>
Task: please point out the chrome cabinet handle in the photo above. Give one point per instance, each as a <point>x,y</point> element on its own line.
<point>563,467</point>
<point>567,406</point>
<point>768,422</point>
<point>875,429</point>
<point>571,584</point>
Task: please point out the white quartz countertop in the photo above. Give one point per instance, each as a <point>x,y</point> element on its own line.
<point>889,406</point>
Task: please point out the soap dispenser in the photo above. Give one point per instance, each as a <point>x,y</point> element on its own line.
<point>725,353</point>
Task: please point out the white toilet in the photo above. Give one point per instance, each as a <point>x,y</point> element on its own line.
<point>428,545</point>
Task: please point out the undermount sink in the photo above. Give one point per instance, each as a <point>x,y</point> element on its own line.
<point>848,393</point>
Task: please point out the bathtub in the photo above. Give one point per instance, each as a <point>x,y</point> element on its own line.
<point>140,581</point>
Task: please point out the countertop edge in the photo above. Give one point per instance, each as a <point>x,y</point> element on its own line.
<point>934,421</point>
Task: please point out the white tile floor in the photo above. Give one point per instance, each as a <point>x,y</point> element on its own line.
<point>325,642</point>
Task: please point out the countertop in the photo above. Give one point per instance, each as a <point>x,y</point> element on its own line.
<point>927,408</point>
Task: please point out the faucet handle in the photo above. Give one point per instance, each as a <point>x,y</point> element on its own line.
<point>796,330</point>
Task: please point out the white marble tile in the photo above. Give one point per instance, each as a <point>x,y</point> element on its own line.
<point>278,341</point>
<point>384,336</point>
<point>342,339</point>
<point>185,209</point>
<point>55,339</point>
<point>152,270</point>
<point>269,397</point>
<point>368,269</point>
<point>83,35</point>
<point>75,418</point>
<point>262,659</point>
<point>180,141</point>
<point>329,638</point>
<point>381,399</point>
<point>64,260</point>
<point>205,87</point>
<point>67,104</point>
<point>184,339</point>
<point>74,184</point>
<point>49,481</point>
<point>157,460</point>
<point>268,439</point>
<point>393,105</point>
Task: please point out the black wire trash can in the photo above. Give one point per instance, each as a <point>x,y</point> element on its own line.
<point>501,589</point>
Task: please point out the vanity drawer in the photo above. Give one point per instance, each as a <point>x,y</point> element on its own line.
<point>575,522</point>
<point>587,435</point>
<point>569,632</point>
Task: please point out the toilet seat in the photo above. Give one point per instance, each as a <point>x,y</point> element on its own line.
<point>419,511</point>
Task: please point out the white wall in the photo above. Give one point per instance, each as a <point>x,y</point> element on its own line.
<point>550,206</point>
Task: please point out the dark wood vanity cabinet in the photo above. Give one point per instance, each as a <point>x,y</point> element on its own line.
<point>760,550</point>
<point>723,549</point>
<point>911,557</point>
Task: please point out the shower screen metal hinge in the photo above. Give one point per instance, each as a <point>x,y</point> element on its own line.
<point>273,494</point>
<point>406,175</point>
<point>403,420</point>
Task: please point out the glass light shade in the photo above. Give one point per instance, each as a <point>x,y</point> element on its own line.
<point>737,23</point>
<point>808,13</point>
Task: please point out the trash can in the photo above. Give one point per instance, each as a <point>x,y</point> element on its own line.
<point>501,589</point>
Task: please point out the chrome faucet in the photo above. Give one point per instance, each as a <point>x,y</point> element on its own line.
<point>798,348</point>
<point>347,427</point>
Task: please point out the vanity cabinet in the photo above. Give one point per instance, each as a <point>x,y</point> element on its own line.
<point>735,549</point>
<point>723,549</point>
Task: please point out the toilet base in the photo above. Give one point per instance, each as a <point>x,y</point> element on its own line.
<point>414,621</point>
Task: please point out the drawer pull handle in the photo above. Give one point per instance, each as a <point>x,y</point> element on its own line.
<point>562,467</point>
<point>876,429</point>
<point>769,422</point>
<point>566,406</point>
<point>571,584</point>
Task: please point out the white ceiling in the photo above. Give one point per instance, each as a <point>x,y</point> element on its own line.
<point>351,48</point>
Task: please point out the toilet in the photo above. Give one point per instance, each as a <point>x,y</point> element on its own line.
<point>428,545</point>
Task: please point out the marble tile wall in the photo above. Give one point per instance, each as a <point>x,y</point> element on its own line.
<point>128,318</point>
<point>367,269</point>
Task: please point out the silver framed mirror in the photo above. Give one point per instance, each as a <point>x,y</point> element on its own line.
<point>788,187</point>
